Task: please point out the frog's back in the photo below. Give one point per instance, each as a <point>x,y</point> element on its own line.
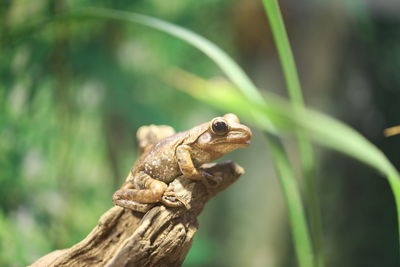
<point>160,161</point>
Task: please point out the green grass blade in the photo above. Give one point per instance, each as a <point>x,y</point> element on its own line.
<point>225,62</point>
<point>321,128</point>
<point>306,152</point>
<point>292,196</point>
<point>284,50</point>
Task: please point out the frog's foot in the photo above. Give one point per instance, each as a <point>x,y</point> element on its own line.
<point>210,181</point>
<point>170,199</point>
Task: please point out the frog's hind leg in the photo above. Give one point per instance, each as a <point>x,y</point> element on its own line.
<point>140,193</point>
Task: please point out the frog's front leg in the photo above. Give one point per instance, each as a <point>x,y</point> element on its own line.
<point>139,192</point>
<point>188,169</point>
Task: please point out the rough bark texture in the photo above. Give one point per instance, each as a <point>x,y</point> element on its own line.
<point>160,237</point>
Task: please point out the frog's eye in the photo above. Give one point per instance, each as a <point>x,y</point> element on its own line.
<point>219,126</point>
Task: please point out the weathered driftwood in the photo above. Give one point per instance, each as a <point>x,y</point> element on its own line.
<point>160,237</point>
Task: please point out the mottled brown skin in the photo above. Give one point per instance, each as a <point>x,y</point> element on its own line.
<point>180,154</point>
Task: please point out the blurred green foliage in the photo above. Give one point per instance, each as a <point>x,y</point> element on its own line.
<point>73,93</point>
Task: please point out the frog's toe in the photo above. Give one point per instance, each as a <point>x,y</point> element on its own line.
<point>170,199</point>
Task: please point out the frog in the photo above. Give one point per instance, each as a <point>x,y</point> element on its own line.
<point>182,153</point>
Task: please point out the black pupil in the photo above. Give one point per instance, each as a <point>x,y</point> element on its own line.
<point>220,127</point>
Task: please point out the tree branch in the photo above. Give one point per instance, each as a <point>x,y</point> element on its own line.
<point>160,237</point>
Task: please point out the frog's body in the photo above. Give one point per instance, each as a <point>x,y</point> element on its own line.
<point>181,153</point>
<point>160,163</point>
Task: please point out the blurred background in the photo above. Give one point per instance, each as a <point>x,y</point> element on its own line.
<point>72,95</point>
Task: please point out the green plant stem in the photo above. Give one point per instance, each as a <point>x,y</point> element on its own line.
<point>291,192</point>
<point>285,52</point>
<point>305,147</point>
<point>394,181</point>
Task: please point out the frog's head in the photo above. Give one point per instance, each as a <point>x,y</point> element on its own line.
<point>224,134</point>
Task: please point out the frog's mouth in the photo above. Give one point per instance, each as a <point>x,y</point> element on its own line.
<point>243,144</point>
<point>238,140</point>
<point>240,136</point>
